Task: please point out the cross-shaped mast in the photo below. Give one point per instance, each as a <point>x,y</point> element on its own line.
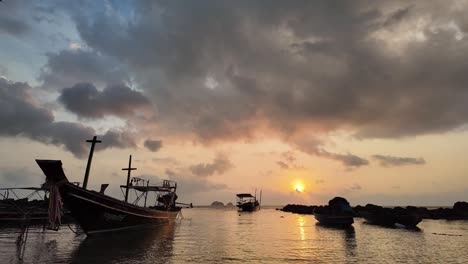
<point>129,169</point>
<point>90,158</point>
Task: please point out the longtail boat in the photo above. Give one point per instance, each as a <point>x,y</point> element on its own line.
<point>96,212</point>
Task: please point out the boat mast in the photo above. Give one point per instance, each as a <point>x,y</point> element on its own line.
<point>260,203</point>
<point>90,158</point>
<point>129,169</point>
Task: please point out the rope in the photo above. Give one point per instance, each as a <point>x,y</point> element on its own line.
<point>55,207</point>
<point>76,233</point>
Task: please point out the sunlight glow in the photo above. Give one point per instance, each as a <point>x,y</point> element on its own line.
<point>299,187</point>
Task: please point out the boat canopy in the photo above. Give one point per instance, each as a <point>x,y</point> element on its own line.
<point>243,195</point>
<point>148,188</point>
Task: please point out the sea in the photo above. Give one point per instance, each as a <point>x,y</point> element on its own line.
<point>206,235</point>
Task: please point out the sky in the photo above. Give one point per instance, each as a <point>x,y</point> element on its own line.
<point>305,100</point>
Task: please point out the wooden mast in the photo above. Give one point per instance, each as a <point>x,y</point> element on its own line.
<point>260,203</point>
<point>90,158</point>
<point>129,169</point>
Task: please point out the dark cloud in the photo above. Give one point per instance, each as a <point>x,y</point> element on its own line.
<point>85,100</point>
<point>153,145</point>
<point>219,165</point>
<point>388,161</point>
<point>349,160</point>
<point>314,146</point>
<point>12,21</point>
<point>289,68</point>
<point>282,164</point>
<point>68,67</point>
<point>23,116</point>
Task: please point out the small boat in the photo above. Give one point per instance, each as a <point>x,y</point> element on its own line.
<point>378,215</point>
<point>410,220</point>
<point>96,212</point>
<point>338,212</point>
<point>407,217</point>
<point>246,202</point>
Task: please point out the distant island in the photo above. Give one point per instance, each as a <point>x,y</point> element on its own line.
<point>218,204</point>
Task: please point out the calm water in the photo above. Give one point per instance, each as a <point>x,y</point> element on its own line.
<point>266,236</point>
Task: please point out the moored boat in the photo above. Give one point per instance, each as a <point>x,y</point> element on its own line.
<point>26,206</point>
<point>407,217</point>
<point>96,212</point>
<point>246,202</point>
<point>338,212</point>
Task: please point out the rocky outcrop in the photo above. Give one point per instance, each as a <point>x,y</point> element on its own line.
<point>299,209</point>
<point>459,211</point>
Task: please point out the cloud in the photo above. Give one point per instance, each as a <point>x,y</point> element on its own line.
<point>153,145</point>
<point>285,69</point>
<point>389,161</point>
<point>349,160</point>
<point>11,19</point>
<point>19,177</point>
<point>282,164</point>
<point>219,165</point>
<point>24,116</point>
<point>68,67</point>
<point>292,65</point>
<point>85,100</point>
<point>191,185</point>
<point>314,146</point>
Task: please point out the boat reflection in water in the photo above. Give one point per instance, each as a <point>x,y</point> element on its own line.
<point>152,245</point>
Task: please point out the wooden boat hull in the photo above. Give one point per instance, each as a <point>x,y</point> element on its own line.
<point>408,220</point>
<point>379,218</point>
<point>334,220</point>
<point>97,213</point>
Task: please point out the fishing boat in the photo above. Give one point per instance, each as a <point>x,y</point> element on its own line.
<point>96,212</point>
<point>338,212</point>
<point>24,206</point>
<point>247,202</point>
<point>15,208</point>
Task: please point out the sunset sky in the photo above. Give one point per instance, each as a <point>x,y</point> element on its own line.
<point>362,99</point>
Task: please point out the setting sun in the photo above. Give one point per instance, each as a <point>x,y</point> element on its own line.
<point>299,188</point>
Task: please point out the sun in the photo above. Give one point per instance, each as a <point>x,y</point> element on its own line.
<point>299,188</point>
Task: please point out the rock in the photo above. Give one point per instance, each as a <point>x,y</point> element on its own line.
<point>299,209</point>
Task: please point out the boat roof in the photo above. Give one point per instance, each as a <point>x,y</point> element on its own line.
<point>25,188</point>
<point>148,188</point>
<point>242,195</point>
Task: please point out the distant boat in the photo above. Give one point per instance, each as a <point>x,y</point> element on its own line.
<point>246,202</point>
<point>96,212</point>
<point>338,212</point>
